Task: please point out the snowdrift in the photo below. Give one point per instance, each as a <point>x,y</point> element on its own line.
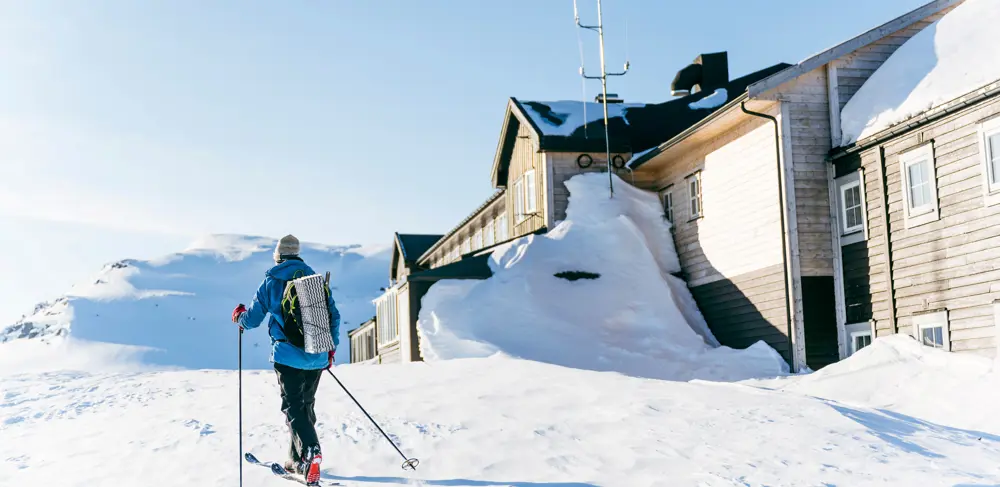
<point>898,373</point>
<point>627,314</point>
<point>950,58</point>
<point>174,311</point>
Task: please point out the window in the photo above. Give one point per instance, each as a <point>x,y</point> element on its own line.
<point>931,329</point>
<point>502,234</point>
<point>477,240</point>
<point>859,335</point>
<point>488,234</point>
<point>850,204</point>
<point>920,186</point>
<point>668,206</point>
<point>989,147</point>
<point>518,201</point>
<point>530,196</point>
<point>694,195</point>
<point>388,331</point>
<point>851,207</point>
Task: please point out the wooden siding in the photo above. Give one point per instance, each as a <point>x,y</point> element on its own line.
<point>858,281</point>
<point>744,309</point>
<point>525,158</point>
<point>740,231</point>
<point>363,343</point>
<point>564,167</point>
<point>952,263</point>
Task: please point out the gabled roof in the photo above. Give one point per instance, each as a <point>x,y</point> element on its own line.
<point>574,126</point>
<point>410,247</point>
<point>657,123</point>
<point>759,88</point>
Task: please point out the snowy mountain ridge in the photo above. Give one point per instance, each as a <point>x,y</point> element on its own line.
<point>157,303</point>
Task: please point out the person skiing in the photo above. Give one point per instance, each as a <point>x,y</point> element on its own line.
<point>298,372</point>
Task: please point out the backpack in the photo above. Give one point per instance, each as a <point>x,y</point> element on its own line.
<point>305,312</point>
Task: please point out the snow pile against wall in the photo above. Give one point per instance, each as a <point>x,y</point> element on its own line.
<point>897,372</point>
<point>175,311</point>
<point>634,318</point>
<point>950,58</point>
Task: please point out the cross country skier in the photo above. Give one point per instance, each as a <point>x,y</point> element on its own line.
<point>298,372</point>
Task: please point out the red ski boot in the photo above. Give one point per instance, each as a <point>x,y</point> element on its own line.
<point>311,461</point>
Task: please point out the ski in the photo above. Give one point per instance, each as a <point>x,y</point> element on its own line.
<point>280,471</point>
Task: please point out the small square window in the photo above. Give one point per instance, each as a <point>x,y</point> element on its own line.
<point>858,336</point>
<point>931,329</point>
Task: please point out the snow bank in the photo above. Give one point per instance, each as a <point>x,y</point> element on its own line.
<point>715,100</point>
<point>492,422</point>
<point>634,318</point>
<point>898,373</point>
<point>562,118</point>
<point>174,311</point>
<point>950,58</point>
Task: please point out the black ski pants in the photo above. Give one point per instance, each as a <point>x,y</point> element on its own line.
<point>298,402</point>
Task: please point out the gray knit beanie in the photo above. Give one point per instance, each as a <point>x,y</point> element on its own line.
<point>288,245</point>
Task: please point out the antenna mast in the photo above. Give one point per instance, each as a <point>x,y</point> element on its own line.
<point>599,28</point>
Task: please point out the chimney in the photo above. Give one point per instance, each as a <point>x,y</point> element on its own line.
<point>612,98</point>
<point>708,72</point>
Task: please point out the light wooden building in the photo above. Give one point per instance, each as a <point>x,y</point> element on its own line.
<point>747,189</point>
<point>917,212</point>
<point>363,342</point>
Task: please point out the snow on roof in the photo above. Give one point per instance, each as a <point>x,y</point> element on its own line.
<point>948,59</point>
<point>634,317</point>
<point>715,100</point>
<point>562,118</point>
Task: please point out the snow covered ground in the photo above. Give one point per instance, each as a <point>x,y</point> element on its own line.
<point>952,57</point>
<point>496,422</point>
<point>629,314</point>
<point>175,310</point>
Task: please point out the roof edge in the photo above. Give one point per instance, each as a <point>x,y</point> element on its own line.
<point>899,23</point>
<point>646,157</point>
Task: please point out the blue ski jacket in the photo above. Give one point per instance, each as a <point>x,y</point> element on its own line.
<point>268,300</point>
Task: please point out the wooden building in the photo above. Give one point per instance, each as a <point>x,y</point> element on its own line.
<point>747,189</point>
<point>917,212</point>
<point>363,342</point>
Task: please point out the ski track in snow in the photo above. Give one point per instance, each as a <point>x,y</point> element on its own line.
<point>491,422</point>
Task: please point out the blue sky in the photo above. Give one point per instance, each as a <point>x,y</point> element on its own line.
<point>127,129</point>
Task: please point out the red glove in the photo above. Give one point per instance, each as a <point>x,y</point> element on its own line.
<point>238,312</point>
<point>332,353</point>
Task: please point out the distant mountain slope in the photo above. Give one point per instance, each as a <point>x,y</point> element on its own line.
<point>179,305</point>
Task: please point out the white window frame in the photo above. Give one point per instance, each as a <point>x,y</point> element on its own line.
<point>858,233</point>
<point>932,320</point>
<point>855,330</point>
<point>927,213</point>
<point>530,193</point>
<point>489,235</point>
<point>667,200</point>
<point>503,232</point>
<point>991,180</point>
<point>519,201</point>
<point>477,239</point>
<point>695,198</point>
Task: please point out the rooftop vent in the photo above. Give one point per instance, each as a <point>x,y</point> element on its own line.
<point>708,72</point>
<point>612,98</point>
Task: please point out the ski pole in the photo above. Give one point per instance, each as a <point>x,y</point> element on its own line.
<point>240,364</point>
<point>408,463</point>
